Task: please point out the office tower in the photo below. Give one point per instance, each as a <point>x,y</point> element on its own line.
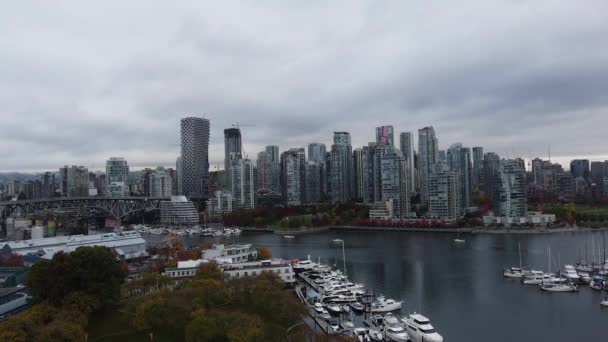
<point>368,155</point>
<point>565,186</point>
<point>598,172</point>
<point>145,181</point>
<point>406,143</point>
<point>477,167</point>
<point>232,148</point>
<point>242,183</point>
<point>537,172</point>
<point>293,176</point>
<point>394,181</point>
<point>117,174</point>
<point>360,174</point>
<point>74,181</point>
<point>272,153</point>
<point>160,183</point>
<point>48,186</point>
<point>427,150</point>
<point>314,181</point>
<point>512,198</point>
<point>317,152</point>
<point>459,160</point>
<point>385,135</point>
<point>341,177</point>
<point>580,168</point>
<point>263,170</point>
<point>444,193</point>
<point>194,156</point>
<point>491,168</point>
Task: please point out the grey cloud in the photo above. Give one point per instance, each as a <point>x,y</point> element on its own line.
<point>80,82</point>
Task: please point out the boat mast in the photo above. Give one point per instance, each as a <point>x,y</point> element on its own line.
<point>593,249</point>
<point>519,248</point>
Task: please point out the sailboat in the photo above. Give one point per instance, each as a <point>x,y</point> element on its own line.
<point>458,239</point>
<point>515,272</point>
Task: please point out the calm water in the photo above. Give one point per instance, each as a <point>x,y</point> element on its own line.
<point>460,287</point>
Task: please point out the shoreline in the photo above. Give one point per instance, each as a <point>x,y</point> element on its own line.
<point>474,230</point>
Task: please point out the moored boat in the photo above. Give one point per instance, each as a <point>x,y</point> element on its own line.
<point>420,329</point>
<point>386,305</point>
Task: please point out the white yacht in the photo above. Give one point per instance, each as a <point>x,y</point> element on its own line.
<point>319,308</point>
<point>513,272</point>
<point>570,273</point>
<point>604,302</point>
<point>375,335</point>
<point>420,329</point>
<point>585,277</point>
<point>361,335</point>
<point>325,314</point>
<point>535,278</point>
<point>558,285</point>
<point>303,265</point>
<point>334,308</point>
<point>393,329</point>
<point>385,305</point>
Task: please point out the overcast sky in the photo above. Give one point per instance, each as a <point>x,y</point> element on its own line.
<point>80,82</point>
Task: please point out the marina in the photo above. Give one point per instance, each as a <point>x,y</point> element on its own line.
<point>442,279</point>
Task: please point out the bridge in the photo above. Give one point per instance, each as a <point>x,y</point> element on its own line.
<point>118,207</point>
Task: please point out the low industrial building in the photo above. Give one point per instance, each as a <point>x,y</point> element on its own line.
<point>125,245</point>
<point>534,218</point>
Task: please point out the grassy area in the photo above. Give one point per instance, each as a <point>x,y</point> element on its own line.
<point>593,210</point>
<point>113,326</point>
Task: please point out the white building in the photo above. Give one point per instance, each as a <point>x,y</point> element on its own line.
<point>533,218</point>
<point>126,245</point>
<point>220,203</point>
<point>161,183</point>
<point>381,210</point>
<point>242,183</point>
<point>178,212</point>
<point>231,253</point>
<point>281,268</point>
<point>444,194</point>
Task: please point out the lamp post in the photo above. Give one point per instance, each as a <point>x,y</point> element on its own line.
<point>343,253</point>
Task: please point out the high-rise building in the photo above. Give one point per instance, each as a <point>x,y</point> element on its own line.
<point>161,184</point>
<point>272,153</point>
<point>74,181</point>
<point>444,193</point>
<point>394,181</point>
<point>459,160</point>
<point>491,168</point>
<point>232,148</point>
<point>341,176</point>
<point>314,181</point>
<point>406,143</point>
<point>428,154</point>
<point>242,182</point>
<point>512,198</point>
<point>317,152</point>
<point>598,172</point>
<point>293,176</point>
<point>194,156</point>
<point>477,167</point>
<point>580,168</point>
<point>117,174</point>
<point>360,173</point>
<point>385,135</point>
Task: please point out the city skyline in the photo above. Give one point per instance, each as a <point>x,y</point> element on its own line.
<point>508,80</point>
